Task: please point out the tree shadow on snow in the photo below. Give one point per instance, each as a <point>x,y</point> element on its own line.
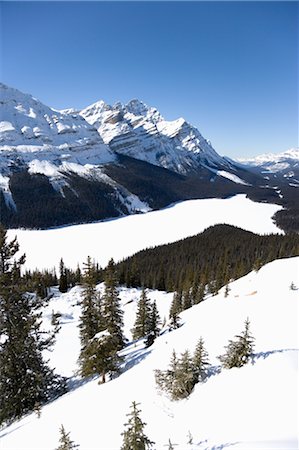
<point>264,355</point>
<point>221,446</point>
<point>134,358</point>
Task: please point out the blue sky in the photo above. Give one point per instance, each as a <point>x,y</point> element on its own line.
<point>229,68</point>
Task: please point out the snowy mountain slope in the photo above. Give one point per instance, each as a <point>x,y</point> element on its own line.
<point>141,132</point>
<point>30,130</point>
<point>57,169</point>
<point>286,163</point>
<point>123,237</point>
<point>254,407</point>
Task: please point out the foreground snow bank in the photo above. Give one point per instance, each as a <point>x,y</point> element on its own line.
<point>125,236</point>
<point>254,407</point>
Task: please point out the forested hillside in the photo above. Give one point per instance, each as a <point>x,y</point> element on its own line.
<point>209,259</point>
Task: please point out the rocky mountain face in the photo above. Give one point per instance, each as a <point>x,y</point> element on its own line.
<point>140,132</point>
<point>61,167</point>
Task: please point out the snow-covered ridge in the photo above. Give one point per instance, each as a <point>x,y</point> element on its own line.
<point>31,130</point>
<point>253,407</point>
<point>275,162</point>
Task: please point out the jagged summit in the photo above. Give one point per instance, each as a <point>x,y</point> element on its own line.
<point>140,131</point>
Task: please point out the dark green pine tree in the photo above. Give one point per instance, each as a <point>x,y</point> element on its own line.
<point>25,378</point>
<point>134,437</point>
<point>200,361</point>
<point>112,313</point>
<point>142,323</point>
<point>63,284</point>
<point>239,350</point>
<point>65,441</point>
<point>91,321</point>
<point>154,325</point>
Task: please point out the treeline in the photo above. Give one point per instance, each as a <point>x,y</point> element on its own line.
<point>210,260</point>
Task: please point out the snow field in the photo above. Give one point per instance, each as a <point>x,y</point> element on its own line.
<point>123,237</point>
<point>254,407</point>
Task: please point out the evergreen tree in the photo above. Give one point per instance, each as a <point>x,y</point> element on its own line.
<point>112,313</point>
<point>78,275</point>
<point>293,287</point>
<point>227,289</point>
<point>166,379</point>
<point>63,283</point>
<point>154,325</point>
<point>187,299</point>
<point>200,361</point>
<point>155,320</point>
<point>189,438</point>
<point>170,445</point>
<point>184,378</point>
<point>134,437</point>
<point>25,378</point>
<point>99,356</point>
<point>238,351</point>
<point>65,441</point>
<point>175,308</point>
<point>142,323</point>
<point>91,323</point>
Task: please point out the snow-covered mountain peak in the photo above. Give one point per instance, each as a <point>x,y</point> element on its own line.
<point>137,107</point>
<point>275,162</point>
<point>140,131</point>
<point>30,130</point>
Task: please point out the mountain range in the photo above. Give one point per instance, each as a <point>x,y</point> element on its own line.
<point>70,166</point>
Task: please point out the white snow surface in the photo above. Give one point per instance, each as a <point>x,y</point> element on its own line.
<point>253,407</point>
<point>125,236</point>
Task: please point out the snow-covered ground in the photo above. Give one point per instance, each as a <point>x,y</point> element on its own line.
<point>123,237</point>
<point>253,407</point>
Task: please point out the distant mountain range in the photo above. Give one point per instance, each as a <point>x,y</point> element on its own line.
<point>62,167</point>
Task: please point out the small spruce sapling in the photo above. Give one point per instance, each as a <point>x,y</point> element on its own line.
<point>238,351</point>
<point>134,437</point>
<point>65,441</point>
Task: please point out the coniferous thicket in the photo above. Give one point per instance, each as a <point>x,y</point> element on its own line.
<point>204,262</point>
<point>239,350</point>
<point>184,372</point>
<point>134,437</point>
<point>65,441</point>
<point>40,281</point>
<point>25,378</point>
